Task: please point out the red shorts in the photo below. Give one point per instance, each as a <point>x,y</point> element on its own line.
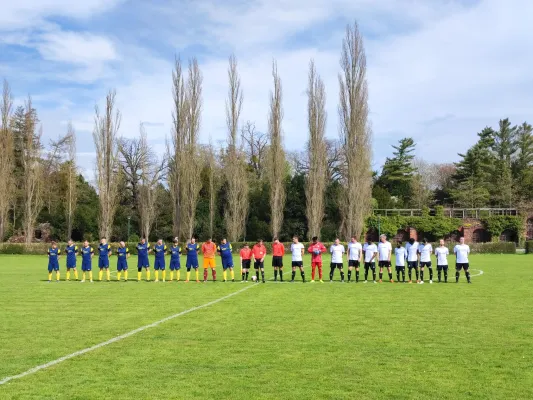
<point>316,264</point>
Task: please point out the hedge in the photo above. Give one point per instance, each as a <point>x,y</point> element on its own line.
<point>529,247</point>
<point>41,248</point>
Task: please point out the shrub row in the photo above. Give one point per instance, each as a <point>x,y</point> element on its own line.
<point>529,247</point>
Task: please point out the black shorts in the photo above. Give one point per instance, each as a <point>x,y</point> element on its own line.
<point>412,264</point>
<point>384,264</point>
<point>259,264</point>
<point>277,261</point>
<point>442,267</point>
<point>425,264</point>
<point>298,264</point>
<point>353,263</point>
<point>246,264</point>
<point>336,265</point>
<point>370,265</point>
<point>460,266</point>
<point>400,268</point>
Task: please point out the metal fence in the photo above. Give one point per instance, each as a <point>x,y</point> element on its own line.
<point>462,213</point>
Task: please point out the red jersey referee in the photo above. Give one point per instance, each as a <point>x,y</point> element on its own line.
<point>278,250</point>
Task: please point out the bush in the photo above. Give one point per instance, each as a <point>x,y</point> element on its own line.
<point>529,247</point>
<point>494,248</point>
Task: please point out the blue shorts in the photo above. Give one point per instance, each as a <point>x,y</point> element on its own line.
<point>143,262</point>
<point>103,263</point>
<point>122,265</point>
<point>227,263</point>
<point>192,263</point>
<point>175,265</point>
<point>159,264</point>
<point>71,263</point>
<point>53,266</point>
<point>86,266</point>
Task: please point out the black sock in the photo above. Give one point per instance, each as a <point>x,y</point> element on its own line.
<point>380,275</point>
<point>374,274</point>
<point>390,276</point>
<point>246,275</point>
<point>467,273</point>
<point>303,275</point>
<point>275,274</point>
<point>243,274</point>
<point>445,276</point>
<point>416,273</point>
<point>410,273</point>
<point>357,275</point>
<point>349,275</point>
<point>403,275</point>
<point>331,273</point>
<point>342,275</point>
<point>422,275</point>
<point>398,276</point>
<point>366,274</point>
<point>263,275</point>
<point>439,274</point>
<point>430,273</point>
<point>457,276</point>
<point>281,275</point>
<point>293,275</point>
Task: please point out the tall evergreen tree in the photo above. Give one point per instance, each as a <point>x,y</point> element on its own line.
<point>398,171</point>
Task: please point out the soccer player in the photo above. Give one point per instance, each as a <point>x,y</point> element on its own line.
<point>87,253</point>
<point>461,252</point>
<point>143,249</point>
<point>316,249</point>
<point>123,253</point>
<point>175,251</point>
<point>371,252</point>
<point>278,250</point>
<point>425,250</point>
<point>297,250</point>
<point>208,250</point>
<point>225,251</point>
<point>246,261</point>
<point>441,253</point>
<point>258,254</point>
<point>104,252</point>
<point>192,249</point>
<point>412,258</point>
<point>337,251</point>
<point>385,252</point>
<point>159,262</point>
<point>355,254</point>
<point>400,253</point>
<point>53,261</point>
<point>72,252</point>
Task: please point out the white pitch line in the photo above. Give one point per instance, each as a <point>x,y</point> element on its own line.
<point>120,337</point>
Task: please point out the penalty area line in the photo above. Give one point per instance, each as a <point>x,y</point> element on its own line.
<point>119,338</point>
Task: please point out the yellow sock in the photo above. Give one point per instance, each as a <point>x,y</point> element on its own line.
<point>126,275</point>
<point>83,276</point>
<point>232,272</point>
<point>118,275</point>
<point>164,274</point>
<point>57,275</point>
<point>49,276</point>
<point>178,275</point>
<point>90,273</point>
<point>171,275</point>
<point>108,274</point>
<point>76,274</point>
<point>100,274</point>
<point>225,275</point>
<point>188,274</point>
<point>147,274</point>
<point>139,276</point>
<point>197,274</point>
<point>68,275</point>
<point>156,275</point>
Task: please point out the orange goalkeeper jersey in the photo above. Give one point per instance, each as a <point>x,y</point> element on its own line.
<point>209,250</point>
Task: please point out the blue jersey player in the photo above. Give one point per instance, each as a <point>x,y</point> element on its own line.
<point>192,249</point>
<point>87,253</point>
<point>159,263</point>
<point>53,261</point>
<point>225,251</point>
<point>123,253</point>
<point>143,249</point>
<point>175,251</point>
<point>104,252</point>
<point>72,252</point>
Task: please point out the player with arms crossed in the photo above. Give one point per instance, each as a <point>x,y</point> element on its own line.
<point>123,253</point>
<point>278,251</point>
<point>160,250</point>
<point>246,261</point>
<point>441,253</point>
<point>72,252</point>
<point>425,250</point>
<point>175,263</point>
<point>316,249</point>
<point>385,252</point>
<point>355,255</point>
<point>192,250</point>
<point>400,254</point>
<point>412,258</point>
<point>371,252</point>
<point>337,251</point>
<point>143,249</point>
<point>297,250</point>
<point>87,253</point>
<point>461,252</point>
<point>104,252</point>
<point>53,261</point>
<point>208,250</point>
<point>225,251</point>
<point>258,254</point>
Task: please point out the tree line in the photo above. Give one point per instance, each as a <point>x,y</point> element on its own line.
<point>250,187</point>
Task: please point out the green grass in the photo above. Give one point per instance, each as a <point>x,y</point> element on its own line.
<point>273,341</point>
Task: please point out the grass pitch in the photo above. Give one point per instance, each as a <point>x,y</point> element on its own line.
<point>272,341</point>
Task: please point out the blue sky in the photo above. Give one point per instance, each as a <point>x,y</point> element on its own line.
<point>438,70</point>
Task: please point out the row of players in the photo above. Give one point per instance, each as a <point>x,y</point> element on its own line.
<point>414,254</point>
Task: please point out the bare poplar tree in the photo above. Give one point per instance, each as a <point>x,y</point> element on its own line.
<point>316,178</point>
<point>212,185</point>
<point>191,164</point>
<point>7,163</point>
<point>72,174</point>
<point>255,146</point>
<point>235,169</point>
<point>31,163</point>
<point>276,155</point>
<point>105,131</point>
<point>355,133</point>
<point>177,147</point>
